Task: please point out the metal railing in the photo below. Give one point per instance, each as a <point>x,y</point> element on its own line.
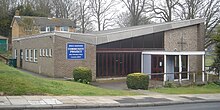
<point>192,76</point>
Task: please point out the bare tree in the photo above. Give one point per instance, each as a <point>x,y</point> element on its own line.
<point>6,6</point>
<point>136,9</point>
<point>102,11</point>
<point>84,18</point>
<point>124,19</point>
<point>209,9</point>
<point>63,8</point>
<point>43,7</point>
<point>164,9</point>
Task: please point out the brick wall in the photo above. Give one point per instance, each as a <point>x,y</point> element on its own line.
<point>193,36</point>
<point>15,30</point>
<point>64,67</point>
<point>45,65</point>
<point>57,65</point>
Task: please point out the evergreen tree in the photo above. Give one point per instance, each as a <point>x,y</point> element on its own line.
<point>216,38</point>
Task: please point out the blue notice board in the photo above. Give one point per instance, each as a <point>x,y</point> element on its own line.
<point>75,51</point>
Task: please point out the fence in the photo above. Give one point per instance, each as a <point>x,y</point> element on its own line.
<point>182,78</point>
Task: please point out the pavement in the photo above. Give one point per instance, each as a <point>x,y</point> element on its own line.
<point>74,102</point>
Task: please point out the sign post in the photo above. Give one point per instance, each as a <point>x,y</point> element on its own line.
<point>75,51</point>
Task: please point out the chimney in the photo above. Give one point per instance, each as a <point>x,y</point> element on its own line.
<point>17,13</point>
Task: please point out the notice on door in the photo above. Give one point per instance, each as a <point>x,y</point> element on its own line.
<point>75,51</point>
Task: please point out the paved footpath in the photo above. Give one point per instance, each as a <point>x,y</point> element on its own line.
<point>74,102</point>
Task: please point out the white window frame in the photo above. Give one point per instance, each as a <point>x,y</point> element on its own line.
<point>43,52</point>
<point>40,53</point>
<point>30,55</point>
<point>47,29</point>
<point>46,51</point>
<point>26,55</point>
<point>15,54</point>
<point>35,55</point>
<point>50,52</point>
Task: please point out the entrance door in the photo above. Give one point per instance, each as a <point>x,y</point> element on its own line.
<point>21,57</point>
<point>184,66</point>
<point>157,66</point>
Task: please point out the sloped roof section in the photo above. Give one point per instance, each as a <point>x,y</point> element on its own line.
<point>101,37</point>
<point>129,32</point>
<point>45,21</point>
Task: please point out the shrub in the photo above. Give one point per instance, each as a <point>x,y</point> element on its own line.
<point>82,74</point>
<point>137,81</point>
<point>169,84</point>
<point>217,82</point>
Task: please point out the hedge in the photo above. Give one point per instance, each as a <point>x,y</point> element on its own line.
<point>82,74</point>
<point>137,81</point>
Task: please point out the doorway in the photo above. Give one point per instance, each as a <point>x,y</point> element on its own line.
<point>184,59</point>
<point>21,58</point>
<point>157,63</point>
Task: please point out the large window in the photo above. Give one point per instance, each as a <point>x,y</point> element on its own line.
<point>117,64</point>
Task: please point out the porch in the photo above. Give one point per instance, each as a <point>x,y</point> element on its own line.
<point>163,66</point>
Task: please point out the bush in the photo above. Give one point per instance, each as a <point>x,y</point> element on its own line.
<point>82,74</point>
<point>169,84</point>
<point>217,82</point>
<point>137,81</point>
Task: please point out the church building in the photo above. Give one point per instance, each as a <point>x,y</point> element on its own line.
<point>156,48</point>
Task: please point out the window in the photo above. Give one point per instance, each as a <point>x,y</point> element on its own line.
<point>43,29</point>
<point>46,51</point>
<point>40,52</point>
<point>43,52</point>
<point>35,55</point>
<point>26,54</point>
<point>15,54</point>
<point>31,56</point>
<point>64,28</point>
<point>47,29</point>
<point>50,52</point>
<point>52,28</point>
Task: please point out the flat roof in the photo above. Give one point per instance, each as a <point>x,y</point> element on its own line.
<point>174,53</point>
<point>1,37</point>
<point>111,35</point>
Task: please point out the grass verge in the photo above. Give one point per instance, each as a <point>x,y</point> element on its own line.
<point>15,82</point>
<point>205,89</point>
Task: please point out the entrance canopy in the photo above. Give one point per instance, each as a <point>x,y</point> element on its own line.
<point>169,62</point>
<point>174,53</point>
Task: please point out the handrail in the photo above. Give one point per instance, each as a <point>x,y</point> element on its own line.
<point>4,58</point>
